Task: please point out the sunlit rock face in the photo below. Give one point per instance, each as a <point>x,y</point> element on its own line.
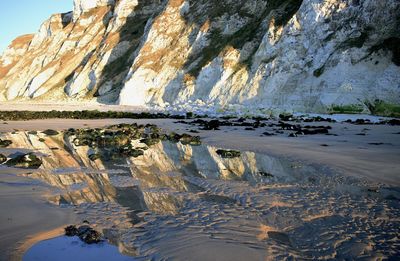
<point>303,55</point>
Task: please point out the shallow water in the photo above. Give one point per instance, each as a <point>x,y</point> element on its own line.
<point>71,248</point>
<point>185,202</point>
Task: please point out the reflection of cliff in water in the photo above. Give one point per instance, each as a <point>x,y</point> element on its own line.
<point>176,197</point>
<point>156,181</point>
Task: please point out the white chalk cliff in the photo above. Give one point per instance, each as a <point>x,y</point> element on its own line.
<point>302,55</point>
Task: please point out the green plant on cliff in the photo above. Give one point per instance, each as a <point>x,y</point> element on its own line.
<point>346,109</point>
<point>381,108</point>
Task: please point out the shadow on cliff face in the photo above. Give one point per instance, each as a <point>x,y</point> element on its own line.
<point>131,34</point>
<point>250,35</point>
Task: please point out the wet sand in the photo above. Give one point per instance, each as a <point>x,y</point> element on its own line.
<point>178,197</point>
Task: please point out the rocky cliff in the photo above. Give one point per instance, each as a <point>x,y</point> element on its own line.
<point>302,55</point>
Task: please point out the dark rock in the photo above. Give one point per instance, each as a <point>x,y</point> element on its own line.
<point>292,135</point>
<point>50,132</point>
<point>83,229</point>
<point>2,158</point>
<point>191,140</point>
<point>228,153</point>
<point>394,122</point>
<point>189,115</point>
<point>129,151</point>
<point>29,160</point>
<point>150,141</point>
<point>91,237</point>
<point>94,156</point>
<point>212,125</point>
<point>279,237</point>
<point>5,143</point>
<point>286,117</point>
<point>266,174</point>
<point>85,233</point>
<point>32,132</point>
<point>71,231</point>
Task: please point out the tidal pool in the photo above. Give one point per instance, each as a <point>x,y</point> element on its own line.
<point>186,202</point>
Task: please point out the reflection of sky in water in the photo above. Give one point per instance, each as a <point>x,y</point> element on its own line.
<point>71,248</point>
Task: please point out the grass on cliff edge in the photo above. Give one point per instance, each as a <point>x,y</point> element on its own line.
<point>85,114</point>
<point>378,107</point>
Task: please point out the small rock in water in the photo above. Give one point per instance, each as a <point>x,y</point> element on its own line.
<point>85,233</point>
<point>50,132</point>
<point>71,231</point>
<point>29,160</point>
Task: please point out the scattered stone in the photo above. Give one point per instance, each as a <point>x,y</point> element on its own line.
<point>187,139</point>
<point>150,142</point>
<point>29,160</point>
<point>286,116</point>
<point>2,158</point>
<point>212,125</point>
<point>324,145</point>
<point>5,143</point>
<point>376,143</point>
<point>32,132</point>
<point>85,233</point>
<point>50,132</point>
<point>292,135</point>
<point>228,153</point>
<point>71,231</point>
<point>266,174</point>
<point>393,122</point>
<point>42,140</point>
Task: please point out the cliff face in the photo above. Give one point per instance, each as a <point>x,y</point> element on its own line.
<point>303,55</point>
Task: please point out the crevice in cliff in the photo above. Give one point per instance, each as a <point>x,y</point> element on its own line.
<point>116,70</point>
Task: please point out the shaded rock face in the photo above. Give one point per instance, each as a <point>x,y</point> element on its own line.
<point>304,55</point>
